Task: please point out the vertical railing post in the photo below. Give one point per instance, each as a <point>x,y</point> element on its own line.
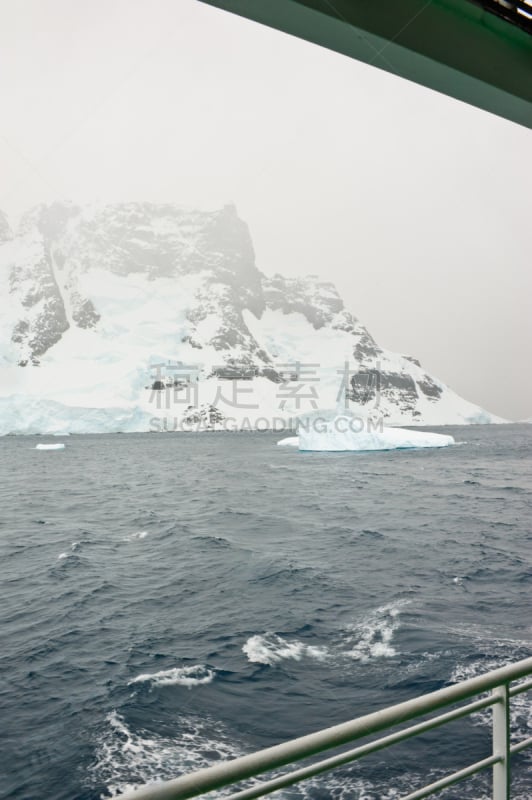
<point>501,742</point>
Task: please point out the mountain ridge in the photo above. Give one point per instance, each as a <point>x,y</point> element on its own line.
<point>131,285</point>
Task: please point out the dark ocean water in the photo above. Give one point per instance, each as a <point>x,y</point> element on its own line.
<point>168,600</point>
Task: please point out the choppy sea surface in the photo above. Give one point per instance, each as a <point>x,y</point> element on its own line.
<point>169,600</point>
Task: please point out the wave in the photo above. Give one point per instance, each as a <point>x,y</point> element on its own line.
<point>520,705</point>
<point>137,535</point>
<point>349,783</point>
<point>196,675</point>
<point>270,648</point>
<point>212,541</point>
<point>368,639</point>
<point>70,555</point>
<point>372,534</point>
<point>374,634</point>
<point>125,759</point>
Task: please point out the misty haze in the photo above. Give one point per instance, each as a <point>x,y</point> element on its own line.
<point>265,402</point>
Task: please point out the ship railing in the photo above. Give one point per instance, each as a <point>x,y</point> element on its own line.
<point>497,685</point>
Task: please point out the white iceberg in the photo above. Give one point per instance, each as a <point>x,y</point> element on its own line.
<point>50,447</point>
<point>337,431</point>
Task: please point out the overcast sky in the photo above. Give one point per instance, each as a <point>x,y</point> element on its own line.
<point>416,205</point>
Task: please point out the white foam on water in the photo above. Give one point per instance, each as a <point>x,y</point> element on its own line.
<point>350,785</point>
<point>520,705</point>
<point>132,537</point>
<point>126,759</point>
<point>493,652</point>
<point>60,446</point>
<point>334,786</point>
<point>374,634</point>
<point>74,547</point>
<point>368,639</point>
<point>196,675</point>
<point>269,648</point>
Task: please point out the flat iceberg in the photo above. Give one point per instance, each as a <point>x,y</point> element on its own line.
<point>50,447</point>
<point>341,431</point>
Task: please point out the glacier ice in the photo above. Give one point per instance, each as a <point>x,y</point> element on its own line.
<point>342,431</point>
<point>21,414</point>
<point>95,299</point>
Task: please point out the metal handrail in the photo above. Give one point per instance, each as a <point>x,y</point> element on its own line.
<point>249,766</point>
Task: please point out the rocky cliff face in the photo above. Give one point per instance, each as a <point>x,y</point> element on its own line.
<point>126,284</point>
<point>57,245</point>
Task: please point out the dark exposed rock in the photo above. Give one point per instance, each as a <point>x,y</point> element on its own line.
<point>206,415</point>
<point>365,386</point>
<point>192,342</point>
<point>83,312</point>
<point>399,390</point>
<point>366,349</point>
<point>317,300</point>
<point>40,296</point>
<point>48,327</point>
<point>271,374</point>
<point>20,331</point>
<point>369,387</point>
<point>405,383</point>
<point>235,371</point>
<point>429,388</point>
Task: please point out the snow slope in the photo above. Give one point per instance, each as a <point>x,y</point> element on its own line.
<point>141,316</point>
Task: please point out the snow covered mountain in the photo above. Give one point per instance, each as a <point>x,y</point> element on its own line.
<point>5,230</point>
<point>141,316</point>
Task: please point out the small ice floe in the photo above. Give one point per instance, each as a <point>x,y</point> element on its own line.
<point>58,446</point>
<point>196,675</point>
